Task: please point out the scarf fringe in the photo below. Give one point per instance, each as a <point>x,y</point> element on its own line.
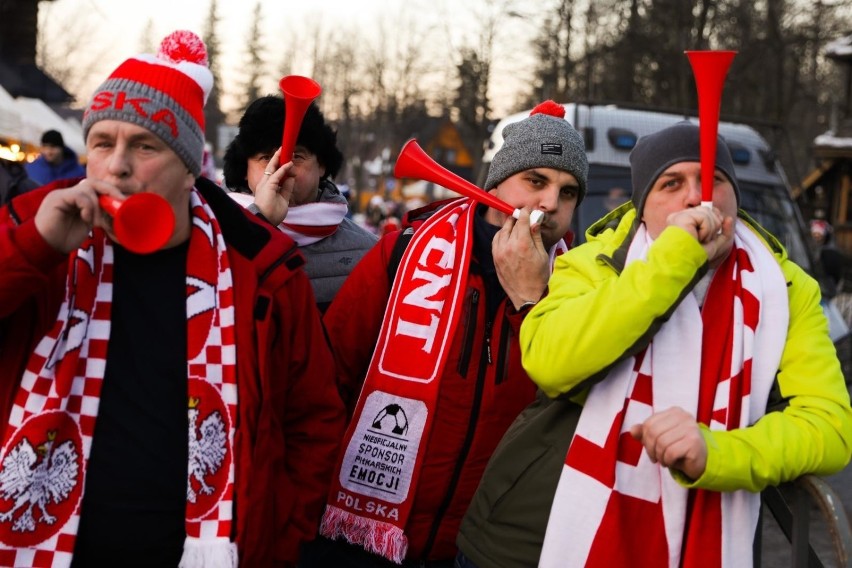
<point>217,553</point>
<point>377,537</point>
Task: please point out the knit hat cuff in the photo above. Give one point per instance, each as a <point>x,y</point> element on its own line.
<point>657,152</point>
<point>540,141</point>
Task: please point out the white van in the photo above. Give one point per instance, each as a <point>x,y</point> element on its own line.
<point>610,132</point>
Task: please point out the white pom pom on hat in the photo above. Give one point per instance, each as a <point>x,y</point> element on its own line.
<point>188,54</point>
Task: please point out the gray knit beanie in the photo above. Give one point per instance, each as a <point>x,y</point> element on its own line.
<point>654,153</point>
<point>164,94</point>
<point>543,140</point>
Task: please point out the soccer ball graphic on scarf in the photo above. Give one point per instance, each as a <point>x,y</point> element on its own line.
<point>392,414</point>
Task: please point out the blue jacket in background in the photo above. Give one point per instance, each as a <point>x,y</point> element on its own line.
<point>43,172</point>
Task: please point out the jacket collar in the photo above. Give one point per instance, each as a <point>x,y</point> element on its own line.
<point>624,222</point>
<point>247,237</point>
<point>274,255</point>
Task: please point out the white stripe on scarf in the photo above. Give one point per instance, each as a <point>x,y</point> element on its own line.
<point>673,359</point>
<point>328,214</point>
<point>58,399</point>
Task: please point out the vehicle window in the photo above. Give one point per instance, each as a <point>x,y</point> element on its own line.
<point>607,188</point>
<point>771,206</point>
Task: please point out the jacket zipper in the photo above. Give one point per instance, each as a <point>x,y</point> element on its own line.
<point>502,369</point>
<point>484,362</point>
<point>278,262</point>
<point>470,331</point>
<point>488,326</point>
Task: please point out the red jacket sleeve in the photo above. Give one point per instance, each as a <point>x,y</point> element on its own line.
<point>354,319</point>
<point>27,262</point>
<point>313,417</point>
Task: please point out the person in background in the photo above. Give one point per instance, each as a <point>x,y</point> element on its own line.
<point>686,364</point>
<point>375,214</point>
<point>425,335</point>
<point>13,180</point>
<point>314,213</point>
<point>208,163</point>
<point>835,264</point>
<point>615,197</point>
<point>390,225</point>
<point>349,196</point>
<point>55,161</point>
<point>191,389</point>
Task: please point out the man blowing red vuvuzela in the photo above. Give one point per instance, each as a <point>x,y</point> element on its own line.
<point>176,408</point>
<point>434,353</point>
<point>686,364</point>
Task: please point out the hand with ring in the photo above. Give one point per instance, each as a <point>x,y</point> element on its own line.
<point>273,193</point>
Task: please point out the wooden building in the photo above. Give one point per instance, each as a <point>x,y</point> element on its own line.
<point>826,192</point>
<point>442,142</point>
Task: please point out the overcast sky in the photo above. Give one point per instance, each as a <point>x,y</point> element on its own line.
<point>120,25</point>
<point>114,28</point>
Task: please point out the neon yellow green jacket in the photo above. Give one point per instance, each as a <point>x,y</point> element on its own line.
<point>597,312</point>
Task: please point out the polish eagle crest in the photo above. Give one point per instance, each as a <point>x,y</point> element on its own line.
<point>33,478</point>
<point>208,447</point>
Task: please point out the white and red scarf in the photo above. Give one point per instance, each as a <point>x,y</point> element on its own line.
<point>308,223</point>
<point>613,507</point>
<point>50,429</point>
<point>373,491</point>
<point>312,222</point>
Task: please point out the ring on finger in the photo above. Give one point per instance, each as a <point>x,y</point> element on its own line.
<point>267,173</point>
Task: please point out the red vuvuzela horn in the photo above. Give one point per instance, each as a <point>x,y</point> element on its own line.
<point>142,223</point>
<point>710,69</point>
<point>413,162</point>
<point>298,93</point>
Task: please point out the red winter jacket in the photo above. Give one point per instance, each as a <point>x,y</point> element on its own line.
<point>290,416</point>
<point>483,388</point>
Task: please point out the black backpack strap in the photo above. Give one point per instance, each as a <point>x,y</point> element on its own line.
<point>411,220</point>
<point>398,249</point>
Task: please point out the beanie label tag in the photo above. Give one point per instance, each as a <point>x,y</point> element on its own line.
<point>551,148</point>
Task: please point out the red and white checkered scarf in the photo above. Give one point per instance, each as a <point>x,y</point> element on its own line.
<point>613,507</point>
<point>49,435</point>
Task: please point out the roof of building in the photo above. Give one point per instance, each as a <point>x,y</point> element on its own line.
<point>840,49</point>
<point>27,80</point>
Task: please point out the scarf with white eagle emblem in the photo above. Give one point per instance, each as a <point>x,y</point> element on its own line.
<point>49,435</point>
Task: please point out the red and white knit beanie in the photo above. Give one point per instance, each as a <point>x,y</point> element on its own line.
<point>163,93</point>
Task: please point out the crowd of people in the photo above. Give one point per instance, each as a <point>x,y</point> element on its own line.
<point>452,386</point>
